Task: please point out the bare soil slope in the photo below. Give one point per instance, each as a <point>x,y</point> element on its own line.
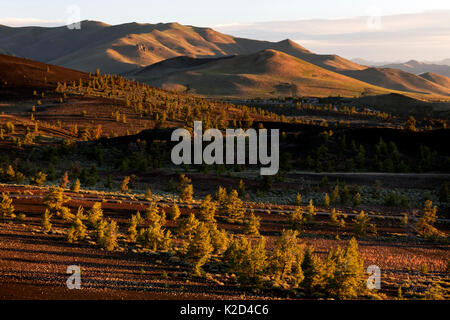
<point>265,73</point>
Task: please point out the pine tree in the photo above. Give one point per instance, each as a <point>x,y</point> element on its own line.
<point>199,249</point>
<point>252,224</point>
<point>363,226</point>
<point>297,219</point>
<point>78,230</point>
<point>357,199</point>
<point>233,208</point>
<point>132,228</point>
<point>337,219</point>
<point>124,187</point>
<point>149,195</point>
<point>152,214</point>
<point>94,215</point>
<point>326,201</point>
<point>187,193</point>
<point>40,179</point>
<point>314,273</point>
<point>109,183</point>
<point>187,226</point>
<point>75,187</point>
<point>425,226</point>
<point>287,258</point>
<point>207,210</point>
<point>155,238</point>
<point>54,201</point>
<point>345,272</point>
<point>248,260</point>
<point>241,189</point>
<point>311,211</point>
<point>221,196</point>
<point>219,238</point>
<point>6,207</point>
<point>174,212</point>
<point>107,233</point>
<point>335,195</point>
<point>64,180</point>
<point>46,224</point>
<point>298,200</point>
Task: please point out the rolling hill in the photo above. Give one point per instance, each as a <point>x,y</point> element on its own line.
<point>127,48</point>
<point>395,79</point>
<point>265,73</point>
<point>417,67</point>
<point>120,48</point>
<point>437,78</point>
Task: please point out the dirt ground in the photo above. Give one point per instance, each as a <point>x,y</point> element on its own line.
<point>33,265</point>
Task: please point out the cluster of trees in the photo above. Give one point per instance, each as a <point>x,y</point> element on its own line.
<point>336,154</point>
<point>339,275</point>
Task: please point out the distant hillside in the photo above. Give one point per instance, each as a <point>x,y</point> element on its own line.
<point>398,80</point>
<point>127,48</point>
<point>417,67</point>
<point>121,48</point>
<point>437,78</point>
<point>266,73</point>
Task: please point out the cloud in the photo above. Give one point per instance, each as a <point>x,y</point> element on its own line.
<point>25,22</point>
<point>375,37</point>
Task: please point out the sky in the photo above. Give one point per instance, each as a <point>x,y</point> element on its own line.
<point>261,19</point>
